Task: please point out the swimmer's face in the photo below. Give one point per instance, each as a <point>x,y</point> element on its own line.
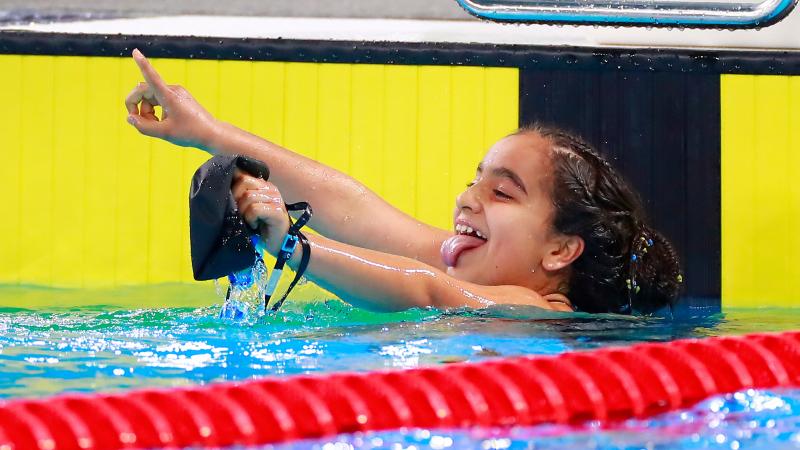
<point>510,213</point>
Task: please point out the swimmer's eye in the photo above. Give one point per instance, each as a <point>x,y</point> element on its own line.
<point>501,194</point>
<point>470,184</point>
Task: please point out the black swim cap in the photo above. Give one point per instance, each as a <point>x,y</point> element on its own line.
<point>220,239</point>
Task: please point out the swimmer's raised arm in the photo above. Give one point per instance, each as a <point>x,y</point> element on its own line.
<point>344,209</point>
<point>368,278</point>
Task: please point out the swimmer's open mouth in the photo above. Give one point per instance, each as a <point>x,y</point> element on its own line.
<point>469,231</point>
<point>466,238</point>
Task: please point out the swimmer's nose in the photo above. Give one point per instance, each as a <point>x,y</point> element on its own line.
<point>469,199</point>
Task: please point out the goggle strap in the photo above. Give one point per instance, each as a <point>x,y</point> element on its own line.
<point>284,256</point>
<point>304,259</point>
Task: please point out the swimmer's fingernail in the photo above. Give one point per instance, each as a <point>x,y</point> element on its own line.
<point>132,120</point>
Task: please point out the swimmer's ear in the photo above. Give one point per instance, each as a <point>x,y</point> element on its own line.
<point>563,251</point>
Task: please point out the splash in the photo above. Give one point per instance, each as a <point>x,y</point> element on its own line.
<point>245,294</point>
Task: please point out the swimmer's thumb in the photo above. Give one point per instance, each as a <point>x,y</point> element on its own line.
<point>152,128</point>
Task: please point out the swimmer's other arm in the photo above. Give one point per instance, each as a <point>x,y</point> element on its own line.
<point>344,209</point>
<point>383,282</point>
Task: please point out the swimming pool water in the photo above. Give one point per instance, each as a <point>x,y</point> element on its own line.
<point>116,345</point>
<point>119,340</point>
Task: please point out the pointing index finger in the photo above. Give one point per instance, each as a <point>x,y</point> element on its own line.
<point>150,75</point>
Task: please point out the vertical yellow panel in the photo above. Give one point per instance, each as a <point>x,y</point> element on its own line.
<point>366,136</point>
<point>69,137</point>
<point>10,169</point>
<point>737,160</point>
<point>36,210</point>
<point>469,101</point>
<point>501,115</point>
<point>400,137</point>
<point>760,201</point>
<point>133,192</point>
<point>167,188</point>
<point>235,101</point>
<point>793,190</point>
<point>300,109</point>
<point>101,169</point>
<point>268,100</point>
<point>334,112</point>
<point>202,81</point>
<point>771,171</point>
<point>433,147</point>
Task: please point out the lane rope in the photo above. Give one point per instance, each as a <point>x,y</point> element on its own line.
<point>604,384</point>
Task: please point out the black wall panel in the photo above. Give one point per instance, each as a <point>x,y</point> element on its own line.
<point>661,130</point>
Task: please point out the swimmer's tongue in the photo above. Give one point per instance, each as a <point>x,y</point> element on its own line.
<point>452,247</point>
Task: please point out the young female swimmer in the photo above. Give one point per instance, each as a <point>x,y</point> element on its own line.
<point>545,222</point>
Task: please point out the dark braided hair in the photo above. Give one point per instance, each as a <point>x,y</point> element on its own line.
<point>626,265</point>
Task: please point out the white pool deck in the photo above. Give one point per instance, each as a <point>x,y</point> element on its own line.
<point>784,35</point>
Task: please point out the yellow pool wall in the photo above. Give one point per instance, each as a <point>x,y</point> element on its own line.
<point>90,203</point>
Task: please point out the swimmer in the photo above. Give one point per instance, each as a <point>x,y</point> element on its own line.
<point>546,221</point>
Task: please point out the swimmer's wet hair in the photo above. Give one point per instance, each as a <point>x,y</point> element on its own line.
<point>626,265</point>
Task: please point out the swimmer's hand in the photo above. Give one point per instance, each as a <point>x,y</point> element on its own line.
<point>183,122</point>
<point>262,207</point>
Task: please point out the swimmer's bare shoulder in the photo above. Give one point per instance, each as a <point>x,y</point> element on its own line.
<point>480,296</point>
<point>519,295</point>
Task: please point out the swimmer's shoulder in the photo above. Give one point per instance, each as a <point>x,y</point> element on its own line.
<point>559,302</point>
<point>518,295</point>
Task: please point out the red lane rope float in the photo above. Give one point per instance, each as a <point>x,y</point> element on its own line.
<point>612,383</point>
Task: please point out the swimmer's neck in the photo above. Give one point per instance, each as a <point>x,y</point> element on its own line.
<point>554,287</point>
